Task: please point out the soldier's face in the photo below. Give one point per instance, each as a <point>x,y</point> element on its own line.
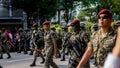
<point>46,27</point>
<point>74,28</point>
<point>104,20</point>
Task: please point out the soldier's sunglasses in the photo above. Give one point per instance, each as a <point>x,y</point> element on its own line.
<point>104,17</point>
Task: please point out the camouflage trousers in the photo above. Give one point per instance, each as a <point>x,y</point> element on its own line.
<point>65,49</point>
<point>49,58</point>
<point>4,47</point>
<point>36,53</point>
<point>74,61</point>
<point>22,44</point>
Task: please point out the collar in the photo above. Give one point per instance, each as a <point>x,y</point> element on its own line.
<point>109,32</point>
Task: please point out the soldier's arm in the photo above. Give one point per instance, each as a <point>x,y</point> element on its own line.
<point>55,47</point>
<point>54,41</point>
<point>87,54</point>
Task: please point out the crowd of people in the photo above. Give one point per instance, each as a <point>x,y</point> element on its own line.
<point>74,41</point>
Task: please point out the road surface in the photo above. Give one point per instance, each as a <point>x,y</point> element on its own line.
<point>23,61</point>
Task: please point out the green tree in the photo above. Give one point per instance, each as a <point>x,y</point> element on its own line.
<point>68,6</point>
<point>81,16</point>
<point>28,6</point>
<point>47,8</point>
<point>97,5</point>
<point>89,13</point>
<point>44,9</point>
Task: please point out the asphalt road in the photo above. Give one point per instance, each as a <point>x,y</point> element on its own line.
<point>23,61</point>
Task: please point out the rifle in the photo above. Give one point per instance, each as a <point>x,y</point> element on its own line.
<point>75,47</point>
<point>40,51</point>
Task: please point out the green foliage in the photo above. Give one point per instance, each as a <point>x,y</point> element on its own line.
<point>45,9</point>
<point>81,16</point>
<point>88,26</point>
<point>68,6</point>
<point>87,3</point>
<point>113,5</point>
<point>29,6</point>
<point>90,13</point>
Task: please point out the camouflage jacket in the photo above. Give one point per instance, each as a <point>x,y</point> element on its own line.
<point>102,45</point>
<point>48,37</point>
<point>82,39</point>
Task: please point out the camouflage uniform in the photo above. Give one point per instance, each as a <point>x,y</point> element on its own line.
<point>65,44</point>
<point>22,42</point>
<point>28,37</point>
<point>4,46</point>
<point>82,39</point>
<point>77,43</point>
<point>93,29</point>
<point>102,45</point>
<point>49,48</point>
<point>38,37</point>
<point>31,41</point>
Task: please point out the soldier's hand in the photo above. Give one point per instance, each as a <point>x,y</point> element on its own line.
<point>78,66</point>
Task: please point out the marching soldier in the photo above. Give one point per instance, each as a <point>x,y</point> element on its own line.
<point>77,43</point>
<point>31,41</point>
<point>38,37</point>
<point>22,41</point>
<point>102,41</point>
<point>4,44</point>
<point>50,45</point>
<point>28,37</point>
<point>66,35</point>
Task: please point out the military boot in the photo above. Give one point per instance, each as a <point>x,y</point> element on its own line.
<point>25,52</point>
<point>43,60</point>
<point>9,56</point>
<point>67,53</point>
<point>19,52</point>
<point>63,58</point>
<point>59,55</point>
<point>1,57</point>
<point>31,53</point>
<point>33,64</point>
